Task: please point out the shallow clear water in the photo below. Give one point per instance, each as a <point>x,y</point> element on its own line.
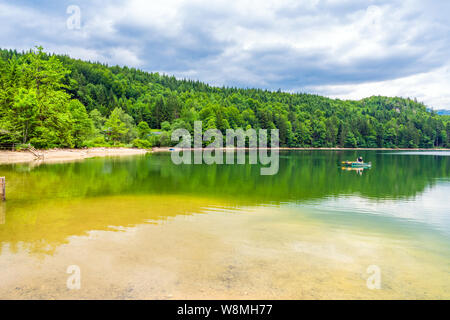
<point>142,227</point>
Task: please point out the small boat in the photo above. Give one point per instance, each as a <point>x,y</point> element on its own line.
<point>355,164</point>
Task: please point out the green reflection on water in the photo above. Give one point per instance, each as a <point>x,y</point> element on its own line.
<point>302,176</point>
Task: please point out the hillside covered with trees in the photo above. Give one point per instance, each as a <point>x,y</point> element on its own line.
<point>53,101</point>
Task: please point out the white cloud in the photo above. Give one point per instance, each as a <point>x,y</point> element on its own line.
<point>346,49</point>
<point>430,87</point>
<point>126,57</point>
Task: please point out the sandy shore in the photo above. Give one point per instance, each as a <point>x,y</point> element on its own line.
<point>60,155</point>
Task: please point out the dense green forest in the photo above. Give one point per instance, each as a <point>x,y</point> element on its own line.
<point>50,101</point>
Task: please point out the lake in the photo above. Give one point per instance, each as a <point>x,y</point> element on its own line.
<point>142,227</point>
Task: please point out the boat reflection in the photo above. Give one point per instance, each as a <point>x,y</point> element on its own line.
<point>358,170</point>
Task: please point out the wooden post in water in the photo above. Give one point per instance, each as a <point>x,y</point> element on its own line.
<point>2,212</point>
<point>3,187</point>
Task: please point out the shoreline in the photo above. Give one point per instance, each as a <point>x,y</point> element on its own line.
<point>63,155</point>
<point>167,149</point>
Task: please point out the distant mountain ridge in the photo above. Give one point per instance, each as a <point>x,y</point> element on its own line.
<point>443,112</point>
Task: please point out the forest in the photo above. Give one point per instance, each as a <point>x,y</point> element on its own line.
<point>54,101</point>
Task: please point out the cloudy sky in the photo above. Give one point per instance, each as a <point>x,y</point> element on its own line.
<point>346,49</point>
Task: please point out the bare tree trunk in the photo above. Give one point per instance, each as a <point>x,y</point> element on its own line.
<point>25,135</point>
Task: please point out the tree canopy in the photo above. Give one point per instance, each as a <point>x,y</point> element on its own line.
<point>55,101</point>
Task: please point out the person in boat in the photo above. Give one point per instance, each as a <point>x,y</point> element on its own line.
<point>360,160</point>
